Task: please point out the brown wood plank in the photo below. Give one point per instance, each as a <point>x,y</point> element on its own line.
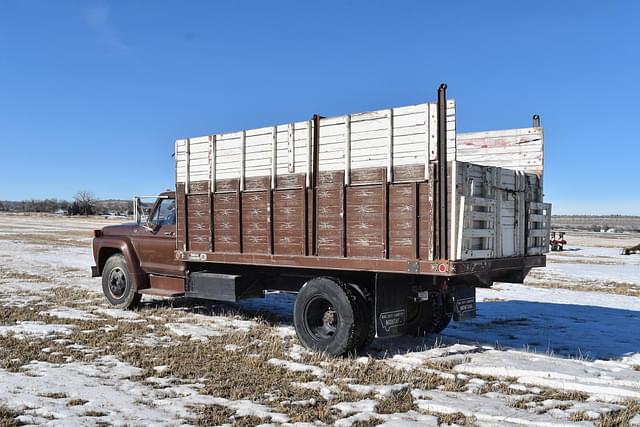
<point>292,180</point>
<point>181,229</point>
<point>198,187</point>
<point>227,185</point>
<point>425,220</point>
<point>408,173</point>
<point>226,228</point>
<point>402,220</point>
<point>288,226</point>
<point>257,183</point>
<point>365,221</point>
<point>329,213</point>
<point>255,222</point>
<point>368,175</point>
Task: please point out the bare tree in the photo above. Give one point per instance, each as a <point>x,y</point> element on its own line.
<point>85,202</point>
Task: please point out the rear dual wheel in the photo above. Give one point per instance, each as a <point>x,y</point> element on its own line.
<point>333,317</point>
<point>431,316</point>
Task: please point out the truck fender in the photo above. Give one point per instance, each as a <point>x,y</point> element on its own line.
<point>108,246</point>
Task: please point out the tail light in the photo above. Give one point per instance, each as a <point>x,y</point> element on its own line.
<point>97,233</point>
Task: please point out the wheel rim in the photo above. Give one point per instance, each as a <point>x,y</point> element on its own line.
<point>321,319</point>
<point>117,282</point>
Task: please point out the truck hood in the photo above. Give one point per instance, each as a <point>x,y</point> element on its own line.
<point>119,230</point>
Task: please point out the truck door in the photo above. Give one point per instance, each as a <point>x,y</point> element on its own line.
<point>158,241</point>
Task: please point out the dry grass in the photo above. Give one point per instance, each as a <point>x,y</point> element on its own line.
<point>77,402</point>
<point>609,287</point>
<point>8,273</point>
<point>621,417</point>
<point>399,401</point>
<point>565,399</point>
<point>457,418</point>
<point>8,417</point>
<point>53,238</point>
<point>54,395</point>
<point>233,375</point>
<point>93,413</point>
<point>368,423</point>
<point>579,416</point>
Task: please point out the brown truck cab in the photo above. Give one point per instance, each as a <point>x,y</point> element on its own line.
<point>384,222</point>
<point>139,257</point>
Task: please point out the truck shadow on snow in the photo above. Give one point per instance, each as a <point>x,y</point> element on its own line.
<point>565,330</point>
<point>569,330</point>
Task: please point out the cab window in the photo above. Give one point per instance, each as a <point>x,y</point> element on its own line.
<point>165,213</point>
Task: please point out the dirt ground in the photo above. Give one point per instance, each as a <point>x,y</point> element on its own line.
<point>557,350</point>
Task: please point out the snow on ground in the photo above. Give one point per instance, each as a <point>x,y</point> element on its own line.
<point>23,329</point>
<point>75,393</point>
<point>543,353</point>
<point>602,379</point>
<point>592,264</point>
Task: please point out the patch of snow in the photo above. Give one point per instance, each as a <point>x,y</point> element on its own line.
<point>195,332</point>
<point>247,408</point>
<point>232,347</point>
<point>380,391</point>
<point>488,410</point>
<point>609,381</point>
<point>35,328</point>
<point>360,406</point>
<point>69,313</point>
<point>106,387</point>
<point>298,367</point>
<point>415,359</point>
<point>326,392</point>
<point>117,313</point>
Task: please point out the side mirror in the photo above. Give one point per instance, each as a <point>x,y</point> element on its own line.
<point>137,210</point>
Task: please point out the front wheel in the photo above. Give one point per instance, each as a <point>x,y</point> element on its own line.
<point>117,285</point>
<point>328,317</point>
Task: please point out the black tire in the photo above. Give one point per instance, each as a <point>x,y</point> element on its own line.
<point>327,316</point>
<point>431,316</point>
<point>366,302</point>
<point>446,313</point>
<point>117,285</point>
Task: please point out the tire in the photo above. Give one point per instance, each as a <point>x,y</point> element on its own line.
<point>366,302</point>
<point>446,313</point>
<point>328,317</point>
<point>431,316</point>
<point>117,285</point>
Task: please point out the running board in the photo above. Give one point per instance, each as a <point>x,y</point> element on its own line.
<point>160,292</point>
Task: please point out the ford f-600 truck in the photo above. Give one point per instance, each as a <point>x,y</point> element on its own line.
<point>383,222</point>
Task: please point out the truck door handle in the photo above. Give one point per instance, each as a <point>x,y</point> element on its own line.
<point>169,233</point>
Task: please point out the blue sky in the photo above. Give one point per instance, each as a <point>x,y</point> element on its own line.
<point>93,93</point>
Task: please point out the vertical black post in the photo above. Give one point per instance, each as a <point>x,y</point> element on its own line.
<point>442,202</point>
<point>536,121</point>
<point>315,156</point>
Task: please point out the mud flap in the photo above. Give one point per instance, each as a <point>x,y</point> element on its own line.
<point>391,296</point>
<point>464,303</point>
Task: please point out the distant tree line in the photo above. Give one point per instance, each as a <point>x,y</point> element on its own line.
<point>83,203</point>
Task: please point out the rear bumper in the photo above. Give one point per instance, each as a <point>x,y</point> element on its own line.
<point>94,271</point>
<point>495,264</point>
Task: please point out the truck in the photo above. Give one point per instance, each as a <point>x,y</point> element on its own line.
<point>384,222</point>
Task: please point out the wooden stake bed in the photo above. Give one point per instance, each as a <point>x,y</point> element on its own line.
<point>359,192</point>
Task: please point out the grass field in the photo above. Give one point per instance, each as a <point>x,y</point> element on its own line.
<point>562,349</point>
